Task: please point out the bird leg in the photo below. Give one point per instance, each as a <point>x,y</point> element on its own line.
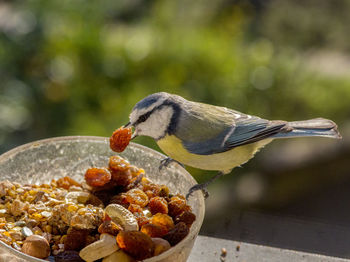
<point>203,186</point>
<point>167,161</point>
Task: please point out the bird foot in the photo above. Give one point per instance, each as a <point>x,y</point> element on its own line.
<point>197,187</point>
<point>204,186</point>
<point>167,161</point>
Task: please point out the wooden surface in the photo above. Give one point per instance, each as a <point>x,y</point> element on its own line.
<point>285,232</point>
<point>209,249</point>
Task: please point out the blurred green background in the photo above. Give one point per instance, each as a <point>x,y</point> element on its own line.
<point>78,67</point>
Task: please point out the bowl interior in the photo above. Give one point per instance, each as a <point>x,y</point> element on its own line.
<point>43,160</point>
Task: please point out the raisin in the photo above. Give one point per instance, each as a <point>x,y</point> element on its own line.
<point>141,219</point>
<point>72,181</point>
<point>149,193</point>
<point>163,191</point>
<point>158,205</point>
<point>111,185</point>
<point>179,232</point>
<point>68,256</point>
<point>120,200</point>
<point>151,189</point>
<point>135,182</point>
<point>62,183</point>
<point>137,244</point>
<point>177,205</point>
<point>187,217</point>
<point>97,177</point>
<point>94,200</point>
<point>109,227</point>
<point>145,181</point>
<point>163,220</point>
<point>66,182</point>
<point>121,178</point>
<point>137,196</point>
<point>117,163</point>
<point>105,195</point>
<point>120,139</point>
<point>154,230</point>
<point>76,239</point>
<point>133,208</point>
<point>135,171</point>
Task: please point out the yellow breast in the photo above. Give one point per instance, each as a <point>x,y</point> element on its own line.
<point>225,161</point>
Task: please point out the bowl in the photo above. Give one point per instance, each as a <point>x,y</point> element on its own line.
<point>43,160</point>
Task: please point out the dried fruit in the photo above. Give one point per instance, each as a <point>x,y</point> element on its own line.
<point>68,256</point>
<point>120,215</point>
<point>139,245</point>
<point>104,194</point>
<point>121,178</point>
<point>141,219</point>
<point>120,139</point>
<point>118,256</point>
<point>154,230</point>
<point>135,181</point>
<point>133,208</point>
<point>36,246</point>
<point>67,215</point>
<point>151,189</point>
<point>161,245</point>
<point>75,239</point>
<point>66,182</point>
<point>117,163</point>
<point>95,201</point>
<point>137,196</point>
<point>163,220</point>
<point>135,171</point>
<point>99,249</point>
<point>163,191</point>
<point>177,205</point>
<point>179,232</point>
<point>109,227</point>
<point>187,217</point>
<point>97,177</point>
<point>158,205</point>
<point>120,200</point>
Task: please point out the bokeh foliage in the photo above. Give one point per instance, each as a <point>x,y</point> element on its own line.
<point>78,67</point>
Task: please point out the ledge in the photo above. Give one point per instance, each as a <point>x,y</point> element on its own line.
<point>208,249</point>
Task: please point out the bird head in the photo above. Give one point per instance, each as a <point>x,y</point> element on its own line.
<point>155,115</point>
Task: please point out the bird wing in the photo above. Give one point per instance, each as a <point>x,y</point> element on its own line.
<point>207,129</point>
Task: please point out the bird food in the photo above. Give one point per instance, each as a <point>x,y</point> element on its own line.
<point>116,212</point>
<point>120,139</point>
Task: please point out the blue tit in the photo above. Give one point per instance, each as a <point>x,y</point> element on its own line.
<point>211,137</point>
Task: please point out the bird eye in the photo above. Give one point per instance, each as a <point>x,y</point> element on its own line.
<point>142,118</point>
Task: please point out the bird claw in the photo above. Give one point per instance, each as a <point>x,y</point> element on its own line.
<point>197,187</point>
<point>204,186</point>
<point>166,162</point>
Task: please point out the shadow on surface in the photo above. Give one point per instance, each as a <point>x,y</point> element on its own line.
<point>330,238</point>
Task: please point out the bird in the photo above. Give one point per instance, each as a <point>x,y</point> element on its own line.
<point>212,137</point>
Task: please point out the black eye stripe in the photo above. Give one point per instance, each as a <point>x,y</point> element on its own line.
<point>143,117</point>
<point>174,118</point>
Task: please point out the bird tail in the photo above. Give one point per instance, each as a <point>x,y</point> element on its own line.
<point>313,127</point>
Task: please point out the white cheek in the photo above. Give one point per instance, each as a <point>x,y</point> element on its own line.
<point>156,125</point>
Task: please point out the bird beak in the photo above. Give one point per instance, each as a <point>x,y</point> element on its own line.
<point>134,134</point>
<point>127,124</point>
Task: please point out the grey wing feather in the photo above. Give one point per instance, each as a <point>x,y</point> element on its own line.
<point>250,131</point>
<point>243,129</point>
